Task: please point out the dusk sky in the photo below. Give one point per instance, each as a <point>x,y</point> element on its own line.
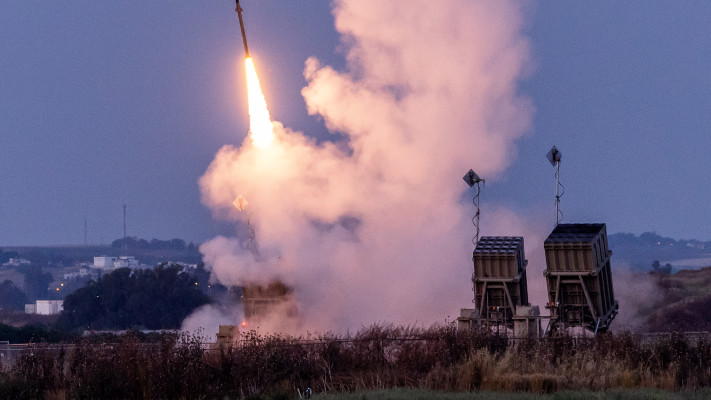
<point>127,102</point>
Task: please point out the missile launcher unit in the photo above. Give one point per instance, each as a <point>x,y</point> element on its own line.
<point>579,278</point>
<point>499,281</point>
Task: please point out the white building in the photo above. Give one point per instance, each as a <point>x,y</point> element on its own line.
<point>45,307</point>
<point>83,272</point>
<point>124,262</point>
<point>104,262</point>
<point>16,262</point>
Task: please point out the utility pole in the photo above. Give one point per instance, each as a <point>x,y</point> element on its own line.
<point>125,239</point>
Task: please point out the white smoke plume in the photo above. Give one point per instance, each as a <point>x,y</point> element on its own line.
<point>499,221</point>
<point>374,228</point>
<point>205,321</point>
<point>637,293</point>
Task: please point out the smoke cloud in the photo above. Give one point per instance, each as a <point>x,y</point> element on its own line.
<point>499,221</point>
<point>374,228</point>
<point>205,321</point>
<point>637,294</point>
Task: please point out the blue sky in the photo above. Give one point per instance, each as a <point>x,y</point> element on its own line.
<point>106,103</point>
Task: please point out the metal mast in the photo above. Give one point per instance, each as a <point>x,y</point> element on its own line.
<point>125,240</point>
<point>554,157</point>
<point>472,179</point>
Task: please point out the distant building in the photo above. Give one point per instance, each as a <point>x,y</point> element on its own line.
<point>127,261</point>
<point>45,307</point>
<point>695,244</point>
<point>83,272</point>
<point>49,307</point>
<point>16,262</point>
<point>184,264</point>
<point>104,262</point>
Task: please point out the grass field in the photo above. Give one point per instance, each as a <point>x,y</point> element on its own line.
<point>615,394</point>
<point>376,363</point>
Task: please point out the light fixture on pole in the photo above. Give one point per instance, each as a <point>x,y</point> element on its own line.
<point>472,179</point>
<point>554,156</point>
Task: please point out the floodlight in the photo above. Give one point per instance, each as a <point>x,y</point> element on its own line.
<point>240,203</point>
<point>471,178</point>
<point>553,156</point>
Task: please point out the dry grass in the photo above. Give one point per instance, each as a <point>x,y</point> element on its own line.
<point>377,358</point>
<point>419,394</point>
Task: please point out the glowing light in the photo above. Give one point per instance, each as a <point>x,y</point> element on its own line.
<point>240,203</point>
<point>260,124</point>
<point>244,324</point>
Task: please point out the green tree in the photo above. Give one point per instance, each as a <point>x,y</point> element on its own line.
<point>666,269</point>
<point>11,297</point>
<point>658,269</point>
<point>36,282</point>
<point>158,298</point>
<point>655,266</point>
<point>7,255</point>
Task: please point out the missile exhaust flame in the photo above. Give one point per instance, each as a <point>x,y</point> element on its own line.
<point>260,124</point>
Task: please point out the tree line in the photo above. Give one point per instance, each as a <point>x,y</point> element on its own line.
<point>5,256</point>
<point>133,242</point>
<point>157,298</point>
<point>36,283</point>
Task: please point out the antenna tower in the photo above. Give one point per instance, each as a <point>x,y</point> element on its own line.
<point>554,156</point>
<point>242,204</point>
<point>473,180</point>
<point>125,239</point>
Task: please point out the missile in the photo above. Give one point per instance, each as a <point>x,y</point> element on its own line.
<point>241,25</point>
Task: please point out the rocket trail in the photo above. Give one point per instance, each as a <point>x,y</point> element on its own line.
<point>260,124</point>
<point>241,25</point>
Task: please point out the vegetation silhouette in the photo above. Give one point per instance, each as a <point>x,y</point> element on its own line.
<point>438,358</point>
<point>156,298</point>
